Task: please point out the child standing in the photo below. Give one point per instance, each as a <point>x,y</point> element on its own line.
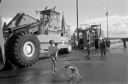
<point>52,53</point>
<point>57,50</point>
<point>88,50</point>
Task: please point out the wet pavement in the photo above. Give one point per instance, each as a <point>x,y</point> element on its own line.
<point>109,69</point>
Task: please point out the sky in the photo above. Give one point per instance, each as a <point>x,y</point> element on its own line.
<point>88,9</point>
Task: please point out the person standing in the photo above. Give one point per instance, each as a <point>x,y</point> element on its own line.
<point>56,51</point>
<point>103,47</point>
<point>88,50</point>
<point>52,53</point>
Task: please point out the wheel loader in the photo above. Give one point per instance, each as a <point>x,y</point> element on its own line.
<point>24,37</point>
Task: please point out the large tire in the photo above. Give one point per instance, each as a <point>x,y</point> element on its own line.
<point>23,49</point>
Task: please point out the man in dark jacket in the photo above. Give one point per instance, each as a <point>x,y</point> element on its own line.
<point>103,47</point>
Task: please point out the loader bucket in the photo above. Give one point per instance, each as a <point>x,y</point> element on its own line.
<point>2,49</point>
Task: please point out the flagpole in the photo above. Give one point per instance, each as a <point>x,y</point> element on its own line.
<point>77,20</point>
<point>63,24</point>
<point>107,23</point>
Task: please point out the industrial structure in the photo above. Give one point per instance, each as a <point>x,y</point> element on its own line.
<point>24,38</point>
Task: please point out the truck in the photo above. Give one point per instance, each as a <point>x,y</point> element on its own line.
<point>92,33</point>
<point>24,38</point>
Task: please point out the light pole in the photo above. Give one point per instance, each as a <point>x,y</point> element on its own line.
<point>77,20</point>
<point>107,23</point>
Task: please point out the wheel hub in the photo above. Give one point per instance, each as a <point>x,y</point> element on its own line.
<point>29,49</point>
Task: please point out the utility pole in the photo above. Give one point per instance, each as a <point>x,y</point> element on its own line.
<point>107,23</point>
<point>77,20</point>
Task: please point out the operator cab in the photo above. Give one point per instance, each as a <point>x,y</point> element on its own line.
<point>50,22</point>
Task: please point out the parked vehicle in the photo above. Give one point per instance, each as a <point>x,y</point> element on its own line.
<point>24,38</point>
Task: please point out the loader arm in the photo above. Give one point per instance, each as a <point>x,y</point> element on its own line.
<point>2,49</point>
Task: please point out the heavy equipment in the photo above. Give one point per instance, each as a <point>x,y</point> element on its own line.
<point>24,38</point>
<point>91,33</point>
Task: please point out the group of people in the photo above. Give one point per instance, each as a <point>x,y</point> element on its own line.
<point>53,53</point>
<point>102,46</point>
<point>72,69</point>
